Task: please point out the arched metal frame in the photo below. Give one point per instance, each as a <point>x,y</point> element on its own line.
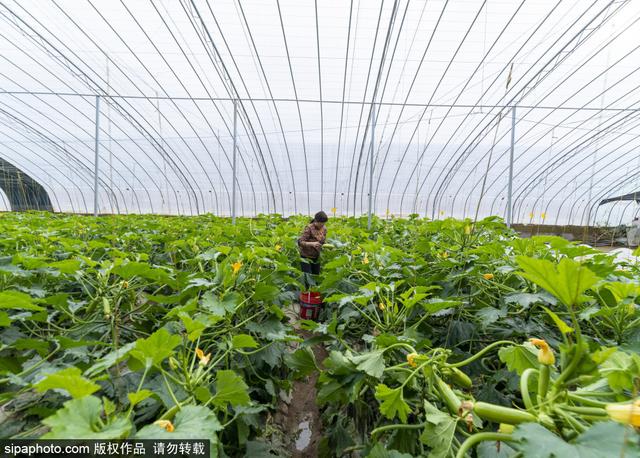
<point>302,89</point>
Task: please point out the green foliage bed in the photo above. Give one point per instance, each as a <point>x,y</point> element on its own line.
<point>148,326</point>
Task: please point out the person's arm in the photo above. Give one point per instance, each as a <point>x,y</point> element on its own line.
<point>304,239</point>
<point>323,237</point>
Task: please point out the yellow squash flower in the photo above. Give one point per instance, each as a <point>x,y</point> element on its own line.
<point>278,247</point>
<point>543,215</point>
<point>381,306</point>
<point>625,413</point>
<point>236,267</point>
<point>545,353</point>
<point>411,359</point>
<point>365,260</point>
<point>204,359</point>
<point>165,424</point>
<point>487,276</point>
<point>531,215</point>
<point>334,210</point>
<point>445,254</point>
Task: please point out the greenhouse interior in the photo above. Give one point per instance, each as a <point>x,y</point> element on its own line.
<point>328,228</point>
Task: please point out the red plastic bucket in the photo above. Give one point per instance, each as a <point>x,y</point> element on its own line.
<point>310,304</point>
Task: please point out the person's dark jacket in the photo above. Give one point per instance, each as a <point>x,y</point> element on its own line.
<point>311,234</point>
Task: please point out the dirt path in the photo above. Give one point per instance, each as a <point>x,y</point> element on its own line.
<point>299,415</point>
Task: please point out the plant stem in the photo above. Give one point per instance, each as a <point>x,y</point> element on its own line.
<point>575,424</point>
<point>246,353</point>
<point>481,437</point>
<point>171,393</point>
<point>35,366</point>
<point>384,428</point>
<point>524,387</point>
<point>169,414</point>
<point>400,344</point>
<point>480,353</point>
<point>557,385</point>
<point>593,411</point>
<point>590,402</point>
<point>144,375</point>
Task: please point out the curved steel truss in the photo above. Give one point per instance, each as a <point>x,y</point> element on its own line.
<point>402,105</point>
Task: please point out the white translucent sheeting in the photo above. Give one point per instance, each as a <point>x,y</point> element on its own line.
<point>4,202</point>
<point>441,75</point>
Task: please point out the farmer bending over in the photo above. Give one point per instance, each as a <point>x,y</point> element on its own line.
<point>310,244</point>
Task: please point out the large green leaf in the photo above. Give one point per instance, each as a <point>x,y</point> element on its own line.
<point>437,304</point>
<point>70,380</point>
<point>4,319</point>
<point>41,346</point>
<point>602,440</point>
<point>339,364</point>
<point>622,290</point>
<point>155,348</point>
<point>495,450</point>
<point>562,326</point>
<point>17,300</point>
<point>607,439</point>
<point>380,451</point>
<point>272,329</point>
<point>265,292</point>
<point>526,299</point>
<point>59,301</point>
<point>80,419</point>
<point>30,262</point>
<point>518,358</point>
<point>620,369</point>
<point>144,270</point>
<point>567,280</point>
<point>301,361</point>
<point>243,341</point>
<point>392,402</point>
<point>371,363</point>
<point>438,432</point>
<point>110,359</point>
<point>139,396</point>
<point>220,306</point>
<point>414,295</point>
<point>230,389</point>
<point>489,315</point>
<point>189,307</point>
<point>68,266</point>
<point>162,299</point>
<point>191,422</point>
<point>194,328</point>
<point>535,441</point>
<point>336,262</point>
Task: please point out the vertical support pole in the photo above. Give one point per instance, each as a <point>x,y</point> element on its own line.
<point>166,206</point>
<point>511,154</point>
<point>97,158</point>
<point>373,124</point>
<point>109,134</point>
<point>233,182</point>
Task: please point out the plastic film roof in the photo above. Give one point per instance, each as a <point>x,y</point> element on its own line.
<point>425,88</point>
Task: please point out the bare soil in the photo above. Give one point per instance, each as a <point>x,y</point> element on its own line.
<point>298,415</point>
